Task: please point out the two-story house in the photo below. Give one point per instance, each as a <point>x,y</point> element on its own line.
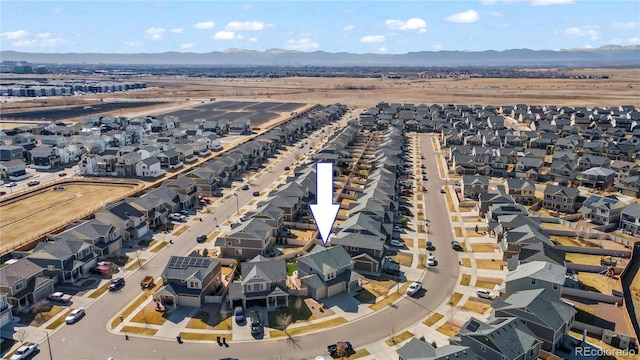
<point>104,239</point>
<point>630,218</point>
<point>13,170</point>
<point>598,178</point>
<point>64,260</point>
<point>253,237</point>
<point>548,318</point>
<point>24,283</point>
<point>473,185</point>
<point>271,215</point>
<point>417,349</point>
<point>536,274</point>
<point>6,317</point>
<point>366,250</point>
<point>523,191</point>
<point>149,168</point>
<point>263,283</point>
<point>602,210</point>
<point>44,157</point>
<point>327,272</point>
<point>560,198</point>
<point>127,219</point>
<point>188,279</point>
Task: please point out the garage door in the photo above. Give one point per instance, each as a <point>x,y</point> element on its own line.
<point>363,265</point>
<point>193,301</point>
<point>336,289</point>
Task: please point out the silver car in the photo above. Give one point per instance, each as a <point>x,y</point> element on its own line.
<point>74,316</point>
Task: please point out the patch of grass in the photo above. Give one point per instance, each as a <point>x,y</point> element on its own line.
<point>473,233</point>
<point>199,321</point>
<point>399,338</point>
<point>203,336</point>
<point>129,310</point>
<point>450,204</point>
<point>454,218</point>
<point>599,282</point>
<point>308,328</point>
<point>226,324</point>
<point>466,262</point>
<point>146,316</point>
<point>455,299</point>
<point>408,242</point>
<point>422,243</point>
<point>433,319</point>
<point>99,291</point>
<point>59,321</point>
<point>586,259</point>
<point>458,231</point>
<point>180,230</point>
<point>419,196</point>
<point>300,315</point>
<point>212,236</point>
<point>379,287</point>
<point>489,264</point>
<point>291,267</point>
<point>489,248</point>
<point>476,306</point>
<point>585,314</point>
<point>159,247</point>
<point>390,299</point>
<point>136,264</point>
<point>448,329</point>
<point>139,330</point>
<point>365,297</point>
<point>419,206</point>
<point>608,348</point>
<point>488,283</point>
<point>403,258</point>
<point>422,261</point>
<point>420,227</point>
<point>466,279</point>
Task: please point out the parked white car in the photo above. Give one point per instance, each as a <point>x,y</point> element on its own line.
<point>25,351</point>
<point>485,294</point>
<point>414,288</point>
<point>397,243</point>
<point>431,261</point>
<point>177,217</point>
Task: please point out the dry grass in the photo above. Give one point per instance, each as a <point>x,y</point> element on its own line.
<point>389,299</point>
<point>419,196</point>
<point>422,261</point>
<point>308,328</point>
<point>448,329</point>
<point>129,310</point>
<point>458,231</point>
<point>490,264</point>
<point>454,218</point>
<point>476,306</point>
<point>466,279</point>
<point>442,165</point>
<point>408,242</point>
<point>379,287</point>
<point>422,243</point>
<point>398,338</point>
<point>226,324</point>
<point>180,230</point>
<point>473,233</point>
<point>203,336</point>
<point>455,299</point>
<point>149,316</point>
<point>136,263</point>
<point>404,259</point>
<point>99,291</point>
<point>433,319</point>
<point>138,330</point>
<point>466,262</point>
<point>489,248</point>
<point>160,246</point>
<point>583,258</point>
<point>487,283</point>
<point>449,200</point>
<point>599,282</point>
<point>213,236</point>
<point>59,321</point>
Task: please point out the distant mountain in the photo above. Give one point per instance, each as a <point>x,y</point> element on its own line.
<point>610,55</point>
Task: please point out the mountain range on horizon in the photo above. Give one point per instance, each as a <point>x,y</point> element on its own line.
<point>611,55</point>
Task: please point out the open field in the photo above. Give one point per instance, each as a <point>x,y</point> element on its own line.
<point>49,208</point>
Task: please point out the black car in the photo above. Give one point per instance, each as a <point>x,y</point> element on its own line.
<point>116,284</point>
<point>256,325</point>
<point>286,168</point>
<point>256,193</point>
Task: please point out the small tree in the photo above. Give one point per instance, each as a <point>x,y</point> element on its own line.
<point>476,228</point>
<point>21,334</point>
<point>40,308</point>
<point>284,320</point>
<point>205,252</point>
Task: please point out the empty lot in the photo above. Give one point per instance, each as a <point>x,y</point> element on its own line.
<point>24,219</point>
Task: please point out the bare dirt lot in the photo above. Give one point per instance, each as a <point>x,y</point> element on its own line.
<point>21,220</point>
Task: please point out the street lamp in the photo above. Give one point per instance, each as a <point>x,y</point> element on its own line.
<point>49,344</point>
<point>237,204</point>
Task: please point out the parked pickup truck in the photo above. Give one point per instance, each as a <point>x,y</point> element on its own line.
<point>147,282</point>
<point>340,349</point>
<point>60,297</point>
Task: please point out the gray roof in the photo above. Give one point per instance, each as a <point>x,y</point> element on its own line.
<point>21,269</point>
<point>550,312</point>
<point>255,228</point>
<point>60,250</point>
<point>632,210</point>
<point>359,240</point>
<point>508,336</point>
<point>123,210</point>
<point>324,259</point>
<point>540,270</point>
<point>567,191</point>
<point>599,171</point>
<point>541,252</point>
<point>260,270</point>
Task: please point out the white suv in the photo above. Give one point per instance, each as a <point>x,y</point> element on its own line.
<point>485,294</point>
<point>414,288</point>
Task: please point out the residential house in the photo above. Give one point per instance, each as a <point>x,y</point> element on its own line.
<point>523,191</point>
<point>629,186</point>
<point>263,284</point>
<point>497,196</point>
<point>591,161</point>
<point>153,208</point>
<point>129,221</point>
<point>536,274</point>
<point>473,185</point>
<point>506,338</point>
<point>366,250</point>
<point>24,283</point>
<point>548,318</point>
<point>630,218</point>
<point>188,279</point>
<point>149,168</point>
<point>271,215</point>
<point>598,178</point>
<point>105,239</point>
<point>251,238</point>
<point>327,272</point>
<point>64,260</point>
<point>6,317</point>
<point>240,126</point>
<point>44,157</point>
<point>13,170</point>
<point>560,198</point>
<point>602,210</point>
<point>170,159</point>
<point>186,189</point>
<point>417,349</point>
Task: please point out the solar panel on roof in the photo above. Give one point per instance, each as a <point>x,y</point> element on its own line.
<point>473,325</point>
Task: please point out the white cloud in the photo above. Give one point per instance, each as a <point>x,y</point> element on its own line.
<point>588,46</point>
<point>301,44</point>
<point>625,26</point>
<point>495,14</point>
<point>56,11</point>
<point>382,49</point>
<point>488,2</point>
<point>247,7</point>
<point>246,26</point>
<point>177,30</point>
<point>634,40</point>
<point>348,28</point>
<point>14,34</point>
<point>592,32</point>
<point>551,2</point>
<point>437,47</point>
<point>372,39</point>
<point>225,35</point>
<point>187,45</point>
<point>465,17</point>
<point>253,39</point>
<point>155,33</point>
<point>43,35</point>
<point>46,42</point>
<point>133,43</point>
<point>411,24</point>
<point>204,25</point>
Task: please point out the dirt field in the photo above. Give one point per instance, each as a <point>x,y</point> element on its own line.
<point>19,223</point>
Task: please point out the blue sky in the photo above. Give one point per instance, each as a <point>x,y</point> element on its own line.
<point>335,26</point>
